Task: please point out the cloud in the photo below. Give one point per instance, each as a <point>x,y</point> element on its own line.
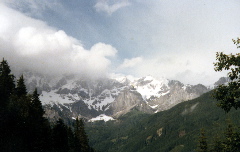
<point>105,6</point>
<point>176,40</point>
<point>188,67</point>
<point>31,44</point>
<point>129,63</point>
<point>179,40</point>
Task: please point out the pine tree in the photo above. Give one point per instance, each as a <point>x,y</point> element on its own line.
<point>37,124</point>
<point>19,106</point>
<point>217,145</point>
<point>6,84</point>
<point>71,140</point>
<point>202,147</point>
<point>22,125</point>
<point>232,140</point>
<point>37,111</point>
<point>6,89</point>
<point>60,137</point>
<point>81,140</point>
<point>21,99</point>
<point>21,87</point>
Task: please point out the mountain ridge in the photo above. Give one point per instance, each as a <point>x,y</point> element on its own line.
<point>76,96</point>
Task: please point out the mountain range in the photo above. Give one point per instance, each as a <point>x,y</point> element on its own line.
<point>133,114</point>
<point>72,96</point>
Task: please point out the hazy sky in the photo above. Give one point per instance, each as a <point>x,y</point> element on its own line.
<point>163,38</point>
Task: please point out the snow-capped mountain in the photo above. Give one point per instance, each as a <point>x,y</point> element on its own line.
<point>71,96</point>
<point>149,87</point>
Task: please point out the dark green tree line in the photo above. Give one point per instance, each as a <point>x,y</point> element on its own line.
<point>203,146</point>
<point>228,96</point>
<point>81,140</point>
<point>7,87</point>
<point>23,126</point>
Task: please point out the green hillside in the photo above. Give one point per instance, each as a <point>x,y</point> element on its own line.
<point>174,130</point>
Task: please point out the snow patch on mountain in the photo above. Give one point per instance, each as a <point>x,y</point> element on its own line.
<point>112,96</point>
<point>149,87</point>
<point>101,117</point>
<point>52,96</point>
<point>155,106</point>
<point>104,99</point>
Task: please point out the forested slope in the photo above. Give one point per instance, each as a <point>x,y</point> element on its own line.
<point>177,129</point>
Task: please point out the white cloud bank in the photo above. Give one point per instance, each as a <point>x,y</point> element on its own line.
<point>105,6</point>
<point>32,44</point>
<point>188,67</point>
<point>129,63</point>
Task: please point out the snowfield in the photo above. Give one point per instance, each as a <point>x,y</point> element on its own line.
<point>101,117</point>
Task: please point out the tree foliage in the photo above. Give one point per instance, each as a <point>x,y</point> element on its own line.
<point>21,89</point>
<point>202,147</point>
<point>23,127</point>
<point>6,84</point>
<point>81,137</point>
<point>229,95</point>
<point>6,89</point>
<point>60,137</point>
<point>230,142</point>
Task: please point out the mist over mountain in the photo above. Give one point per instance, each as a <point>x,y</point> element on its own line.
<point>56,37</point>
<point>71,96</point>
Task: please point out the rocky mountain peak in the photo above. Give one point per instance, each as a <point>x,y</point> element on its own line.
<point>110,96</point>
<point>222,80</point>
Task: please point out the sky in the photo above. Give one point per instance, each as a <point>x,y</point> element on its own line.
<point>174,39</point>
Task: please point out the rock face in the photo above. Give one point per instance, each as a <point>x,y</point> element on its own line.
<point>71,96</point>
<point>222,80</point>
<point>127,100</point>
<point>177,93</point>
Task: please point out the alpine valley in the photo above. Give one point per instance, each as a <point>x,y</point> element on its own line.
<point>127,114</point>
